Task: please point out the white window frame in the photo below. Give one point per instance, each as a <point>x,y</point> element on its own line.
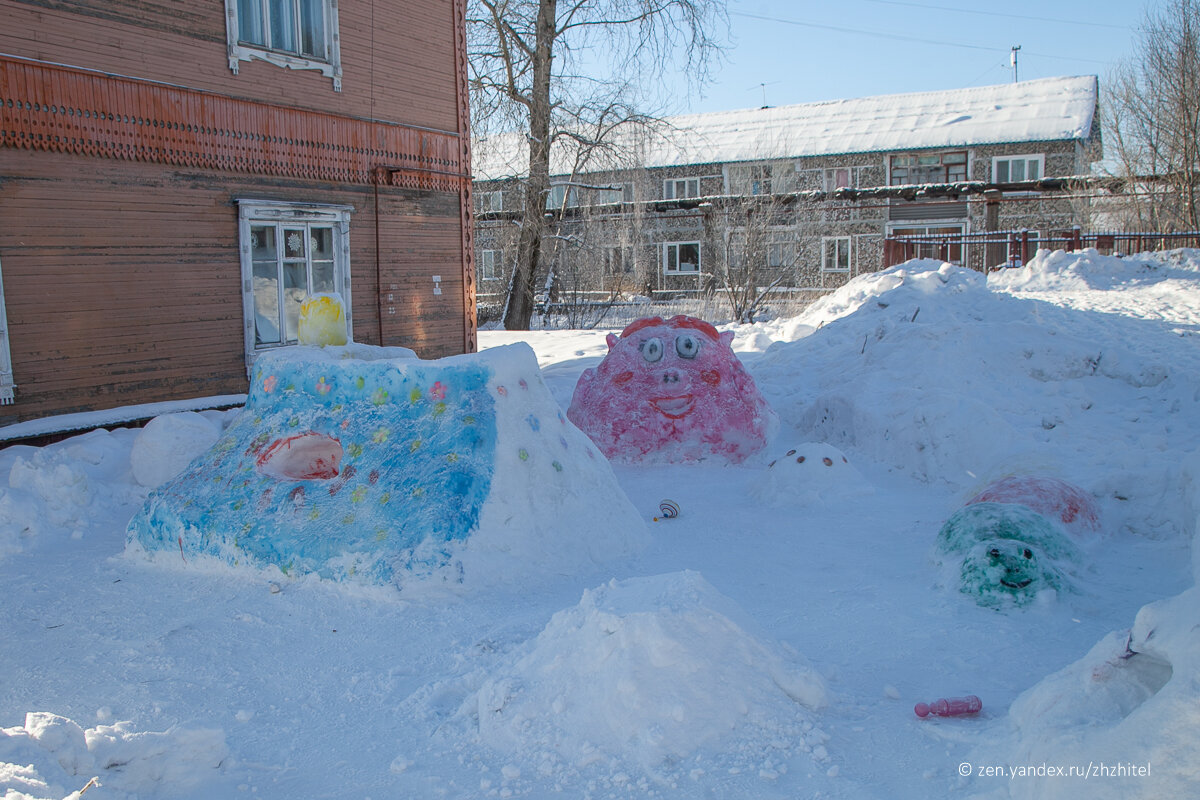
<point>667,247</point>
<point>271,212</point>
<point>836,243</point>
<point>7,387</point>
<point>671,187</point>
<point>1027,158</point>
<point>491,200</point>
<point>488,260</point>
<point>330,65</point>
<point>560,191</point>
<point>783,244</point>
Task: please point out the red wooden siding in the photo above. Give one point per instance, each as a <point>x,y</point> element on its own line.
<point>46,107</point>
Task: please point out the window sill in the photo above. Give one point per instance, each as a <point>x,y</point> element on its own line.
<point>240,52</point>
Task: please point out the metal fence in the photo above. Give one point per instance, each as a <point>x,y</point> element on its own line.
<point>600,310</point>
<point>993,250</point>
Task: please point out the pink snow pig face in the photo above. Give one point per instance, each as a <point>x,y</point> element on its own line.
<point>671,391</point>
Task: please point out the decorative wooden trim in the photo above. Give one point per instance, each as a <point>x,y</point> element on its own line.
<point>470,333</point>
<point>64,109</point>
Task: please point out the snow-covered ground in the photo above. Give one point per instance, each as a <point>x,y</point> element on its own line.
<point>769,642</point>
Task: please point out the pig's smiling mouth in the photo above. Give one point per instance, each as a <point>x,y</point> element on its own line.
<point>676,407</point>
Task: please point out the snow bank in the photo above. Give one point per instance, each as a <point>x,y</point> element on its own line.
<point>658,677</point>
<point>356,465</point>
<point>51,491</point>
<point>914,367</point>
<point>51,756</point>
<point>167,444</point>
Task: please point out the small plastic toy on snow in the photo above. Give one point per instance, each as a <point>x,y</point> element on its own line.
<point>949,707</point>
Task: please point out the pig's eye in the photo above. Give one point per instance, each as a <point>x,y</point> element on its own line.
<point>652,350</point>
<point>687,345</point>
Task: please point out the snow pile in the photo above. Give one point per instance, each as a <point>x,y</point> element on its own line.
<point>953,414</point>
<point>169,443</point>
<point>358,466</point>
<point>655,676</point>
<point>54,491</point>
<point>51,756</point>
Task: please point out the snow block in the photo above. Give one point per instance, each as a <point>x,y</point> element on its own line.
<point>1056,499</point>
<point>1007,552</point>
<point>672,392</point>
<point>367,464</point>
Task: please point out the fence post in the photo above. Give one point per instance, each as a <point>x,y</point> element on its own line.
<point>1076,240</point>
<point>1024,246</point>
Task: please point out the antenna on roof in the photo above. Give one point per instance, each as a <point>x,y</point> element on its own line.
<point>763,86</point>
<point>1013,61</point>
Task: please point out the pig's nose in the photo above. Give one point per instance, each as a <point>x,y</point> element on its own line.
<point>670,376</point>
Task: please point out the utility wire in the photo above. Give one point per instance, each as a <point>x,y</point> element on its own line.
<point>901,37</point>
<point>1000,14</point>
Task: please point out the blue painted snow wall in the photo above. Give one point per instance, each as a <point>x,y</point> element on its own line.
<point>405,451</point>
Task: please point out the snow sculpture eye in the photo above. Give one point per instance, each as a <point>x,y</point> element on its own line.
<point>652,350</point>
<point>1027,553</point>
<point>687,345</point>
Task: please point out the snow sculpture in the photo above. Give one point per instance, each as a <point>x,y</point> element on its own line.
<point>1050,497</point>
<point>368,464</point>
<point>810,473</point>
<point>322,320</point>
<point>1006,552</point>
<point>671,391</point>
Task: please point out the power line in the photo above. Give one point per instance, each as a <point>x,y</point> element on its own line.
<point>1000,14</point>
<point>901,37</point>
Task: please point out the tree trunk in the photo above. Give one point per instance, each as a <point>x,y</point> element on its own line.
<point>519,311</point>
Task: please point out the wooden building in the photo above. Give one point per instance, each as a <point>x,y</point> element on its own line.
<point>176,175</point>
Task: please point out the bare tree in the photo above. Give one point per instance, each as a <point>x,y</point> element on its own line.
<point>1152,120</point>
<point>753,240</point>
<point>534,67</point>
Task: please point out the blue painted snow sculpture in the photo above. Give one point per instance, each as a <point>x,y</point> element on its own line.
<point>354,464</point>
<point>1007,553</point>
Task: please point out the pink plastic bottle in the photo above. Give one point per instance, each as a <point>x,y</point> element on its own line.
<point>950,707</point>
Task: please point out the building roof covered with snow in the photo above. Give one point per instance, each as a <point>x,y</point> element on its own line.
<point>1047,109</point>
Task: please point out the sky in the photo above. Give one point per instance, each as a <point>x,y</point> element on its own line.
<point>800,51</point>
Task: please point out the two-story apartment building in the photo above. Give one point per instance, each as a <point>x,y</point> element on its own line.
<point>177,175</point>
<point>799,196</point>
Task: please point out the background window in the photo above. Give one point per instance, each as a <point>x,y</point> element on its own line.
<point>681,188</point>
<point>835,254</point>
<point>491,201</point>
<point>838,178</point>
<point>1009,169</point>
<point>681,258</point>
<point>760,179</point>
<point>488,260</point>
<point>929,168</point>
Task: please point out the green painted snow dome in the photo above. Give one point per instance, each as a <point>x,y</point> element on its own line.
<point>1009,552</point>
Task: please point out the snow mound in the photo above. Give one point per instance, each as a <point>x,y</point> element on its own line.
<point>925,369</point>
<point>810,473</point>
<point>168,443</point>
<point>650,675</point>
<point>66,488</point>
<point>359,466</point>
<point>51,756</point>
<point>1057,271</point>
